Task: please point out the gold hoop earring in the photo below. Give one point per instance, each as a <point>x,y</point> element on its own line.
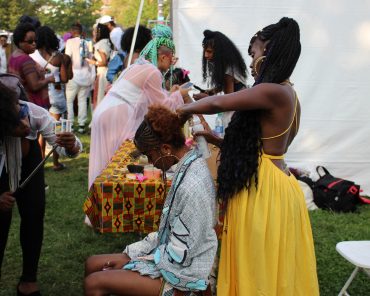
<point>257,64</point>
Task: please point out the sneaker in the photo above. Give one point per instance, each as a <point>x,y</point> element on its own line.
<point>46,187</point>
<point>81,129</point>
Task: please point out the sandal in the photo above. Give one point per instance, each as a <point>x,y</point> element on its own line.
<point>60,167</point>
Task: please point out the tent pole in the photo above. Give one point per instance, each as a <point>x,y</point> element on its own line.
<point>135,32</point>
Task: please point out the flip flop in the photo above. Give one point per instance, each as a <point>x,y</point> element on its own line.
<point>60,167</point>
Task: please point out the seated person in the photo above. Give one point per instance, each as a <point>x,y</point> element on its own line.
<point>181,253</point>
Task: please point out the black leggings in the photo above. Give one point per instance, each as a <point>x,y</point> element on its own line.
<point>31,207</point>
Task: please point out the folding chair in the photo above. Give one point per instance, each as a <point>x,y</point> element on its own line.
<point>358,253</point>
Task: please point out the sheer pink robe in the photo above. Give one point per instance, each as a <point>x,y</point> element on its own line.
<point>120,113</point>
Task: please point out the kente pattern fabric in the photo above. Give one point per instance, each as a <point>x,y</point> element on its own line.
<point>268,230</point>
<point>118,204</point>
<point>183,249</point>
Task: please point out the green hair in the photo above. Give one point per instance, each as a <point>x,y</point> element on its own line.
<point>162,31</point>
<point>150,51</point>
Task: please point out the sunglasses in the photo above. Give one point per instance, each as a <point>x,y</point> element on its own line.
<point>23,111</point>
<point>31,41</point>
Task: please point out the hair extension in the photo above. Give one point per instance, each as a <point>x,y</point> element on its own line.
<point>225,56</point>
<point>162,31</point>
<point>142,38</point>
<point>47,39</point>
<point>242,145</point>
<point>21,31</point>
<point>8,115</point>
<point>160,126</point>
<point>150,51</point>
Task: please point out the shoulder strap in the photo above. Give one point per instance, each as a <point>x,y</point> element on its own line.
<point>324,169</point>
<point>291,123</point>
<point>49,60</point>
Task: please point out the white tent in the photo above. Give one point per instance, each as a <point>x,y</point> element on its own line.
<point>332,77</point>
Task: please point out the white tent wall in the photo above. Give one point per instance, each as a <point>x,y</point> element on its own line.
<point>332,77</point>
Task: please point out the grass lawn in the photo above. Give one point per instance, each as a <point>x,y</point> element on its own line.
<point>68,242</point>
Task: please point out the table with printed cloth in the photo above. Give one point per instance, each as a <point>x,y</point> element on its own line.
<point>118,204</point>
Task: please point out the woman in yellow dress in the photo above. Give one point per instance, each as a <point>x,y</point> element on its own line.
<point>267,247</point>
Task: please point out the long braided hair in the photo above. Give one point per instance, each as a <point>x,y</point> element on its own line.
<point>242,146</point>
<point>225,56</point>
<point>162,36</point>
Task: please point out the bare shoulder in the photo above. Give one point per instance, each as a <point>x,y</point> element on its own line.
<point>277,93</point>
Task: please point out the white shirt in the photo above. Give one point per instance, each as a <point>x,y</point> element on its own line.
<point>83,75</point>
<point>3,61</point>
<point>40,122</point>
<point>115,36</point>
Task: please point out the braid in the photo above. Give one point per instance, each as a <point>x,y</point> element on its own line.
<point>150,51</point>
<point>145,138</point>
<point>160,126</point>
<point>162,31</point>
<point>242,146</point>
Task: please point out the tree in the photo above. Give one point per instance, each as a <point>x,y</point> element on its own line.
<point>57,14</point>
<point>125,11</point>
<point>12,10</point>
<point>60,15</point>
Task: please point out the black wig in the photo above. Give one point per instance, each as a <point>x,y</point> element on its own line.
<point>225,56</point>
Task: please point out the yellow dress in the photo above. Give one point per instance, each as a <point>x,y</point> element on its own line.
<point>267,247</point>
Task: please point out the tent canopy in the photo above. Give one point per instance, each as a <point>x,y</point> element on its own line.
<point>331,77</point>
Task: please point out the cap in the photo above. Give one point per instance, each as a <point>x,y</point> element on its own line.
<point>105,19</point>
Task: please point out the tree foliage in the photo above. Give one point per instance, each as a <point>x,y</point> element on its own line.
<point>125,11</point>
<point>58,14</point>
<point>12,10</point>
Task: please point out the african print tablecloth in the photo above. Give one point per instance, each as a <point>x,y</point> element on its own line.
<point>118,204</point>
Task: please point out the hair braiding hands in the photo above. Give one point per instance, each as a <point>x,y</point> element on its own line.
<point>182,115</point>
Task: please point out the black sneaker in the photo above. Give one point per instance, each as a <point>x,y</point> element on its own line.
<point>46,187</point>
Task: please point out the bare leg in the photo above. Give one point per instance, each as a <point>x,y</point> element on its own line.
<point>98,262</point>
<point>120,282</point>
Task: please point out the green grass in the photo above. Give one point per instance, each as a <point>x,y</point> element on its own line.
<point>68,242</point>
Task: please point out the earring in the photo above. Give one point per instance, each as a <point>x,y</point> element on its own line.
<point>257,64</point>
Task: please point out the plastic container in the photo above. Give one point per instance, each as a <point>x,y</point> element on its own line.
<point>219,126</point>
<point>152,173</point>
<point>201,141</point>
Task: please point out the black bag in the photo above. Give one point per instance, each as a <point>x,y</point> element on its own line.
<point>336,194</point>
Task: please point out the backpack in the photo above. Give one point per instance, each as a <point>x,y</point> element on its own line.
<point>335,194</point>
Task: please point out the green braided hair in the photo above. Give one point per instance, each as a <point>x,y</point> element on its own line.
<point>150,51</point>
<point>162,31</point>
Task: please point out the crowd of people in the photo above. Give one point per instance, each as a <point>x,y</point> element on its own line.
<point>266,246</point>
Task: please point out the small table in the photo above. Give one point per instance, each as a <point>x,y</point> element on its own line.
<point>118,204</point>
